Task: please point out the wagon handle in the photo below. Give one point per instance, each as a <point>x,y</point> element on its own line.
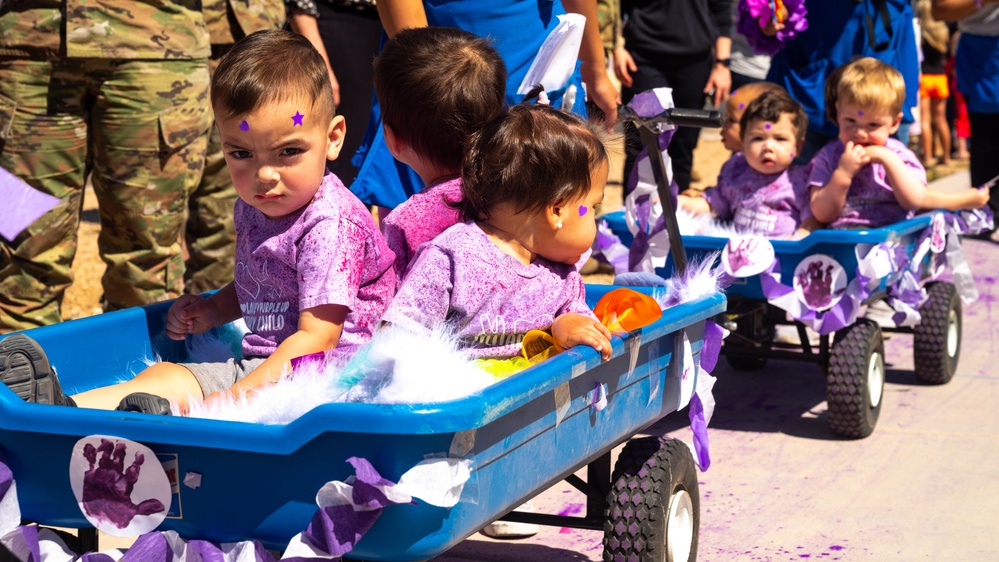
<point>645,125</point>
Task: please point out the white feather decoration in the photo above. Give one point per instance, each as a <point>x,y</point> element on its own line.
<point>397,367</point>
<point>701,278</point>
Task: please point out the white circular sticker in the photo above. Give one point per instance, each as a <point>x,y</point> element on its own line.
<point>820,282</point>
<point>747,255</point>
<point>119,484</point>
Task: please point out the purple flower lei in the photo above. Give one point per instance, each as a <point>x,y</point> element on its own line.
<point>754,14</point>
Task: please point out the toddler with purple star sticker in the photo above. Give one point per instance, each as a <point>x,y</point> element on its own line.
<point>313,273</point>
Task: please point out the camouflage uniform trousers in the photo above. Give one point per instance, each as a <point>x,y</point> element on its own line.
<point>141,128</point>
<point>210,234</point>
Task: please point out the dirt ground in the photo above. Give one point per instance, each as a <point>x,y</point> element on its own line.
<point>82,299</point>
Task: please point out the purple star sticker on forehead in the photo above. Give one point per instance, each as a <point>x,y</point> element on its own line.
<point>297,118</point>
<point>244,126</point>
<point>767,126</point>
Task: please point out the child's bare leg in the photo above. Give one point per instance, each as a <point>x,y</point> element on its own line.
<point>169,380</point>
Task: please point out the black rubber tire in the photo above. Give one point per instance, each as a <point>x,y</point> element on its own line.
<point>650,475</point>
<point>935,353</point>
<point>746,362</point>
<point>854,402</point>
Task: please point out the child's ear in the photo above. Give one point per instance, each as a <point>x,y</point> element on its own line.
<point>554,214</point>
<point>335,134</point>
<point>897,123</point>
<point>391,141</point>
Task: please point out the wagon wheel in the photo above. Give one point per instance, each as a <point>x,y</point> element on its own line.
<point>937,338</point>
<point>855,379</point>
<point>653,511</point>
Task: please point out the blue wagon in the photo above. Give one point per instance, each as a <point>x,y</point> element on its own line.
<point>850,350</point>
<point>851,356</point>
<point>521,436</point>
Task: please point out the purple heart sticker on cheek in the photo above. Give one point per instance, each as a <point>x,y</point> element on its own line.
<point>244,126</point>
<point>582,210</point>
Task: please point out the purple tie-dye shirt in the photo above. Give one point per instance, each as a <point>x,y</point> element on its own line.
<point>487,297</point>
<point>770,205</point>
<point>871,202</point>
<point>420,219</point>
<point>329,252</point>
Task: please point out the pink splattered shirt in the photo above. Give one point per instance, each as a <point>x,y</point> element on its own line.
<point>771,205</point>
<point>871,202</point>
<point>487,297</point>
<point>420,219</point>
<point>329,252</point>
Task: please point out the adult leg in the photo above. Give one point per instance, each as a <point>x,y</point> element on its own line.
<point>941,128</point>
<point>687,78</point>
<point>984,148</point>
<point>926,131</point>
<point>352,39</point>
<point>43,141</point>
<point>210,234</point>
<point>151,124</point>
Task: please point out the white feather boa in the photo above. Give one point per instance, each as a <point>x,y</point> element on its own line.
<point>398,366</point>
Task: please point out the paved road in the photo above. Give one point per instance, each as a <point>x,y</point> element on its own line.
<point>923,486</point>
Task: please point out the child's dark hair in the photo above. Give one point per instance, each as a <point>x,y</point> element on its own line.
<point>436,86</point>
<point>531,156</point>
<point>769,106</point>
<point>269,65</point>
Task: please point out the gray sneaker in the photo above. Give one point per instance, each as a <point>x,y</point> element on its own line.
<point>25,369</point>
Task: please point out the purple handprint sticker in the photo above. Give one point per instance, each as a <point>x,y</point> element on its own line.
<point>747,255</point>
<point>120,486</point>
<point>820,282</point>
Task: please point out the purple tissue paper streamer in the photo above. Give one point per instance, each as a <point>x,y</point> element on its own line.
<point>336,529</point>
<point>366,491</point>
<point>700,428</point>
<point>646,104</point>
<point>712,346</point>
<point>6,477</point>
<point>22,205</point>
